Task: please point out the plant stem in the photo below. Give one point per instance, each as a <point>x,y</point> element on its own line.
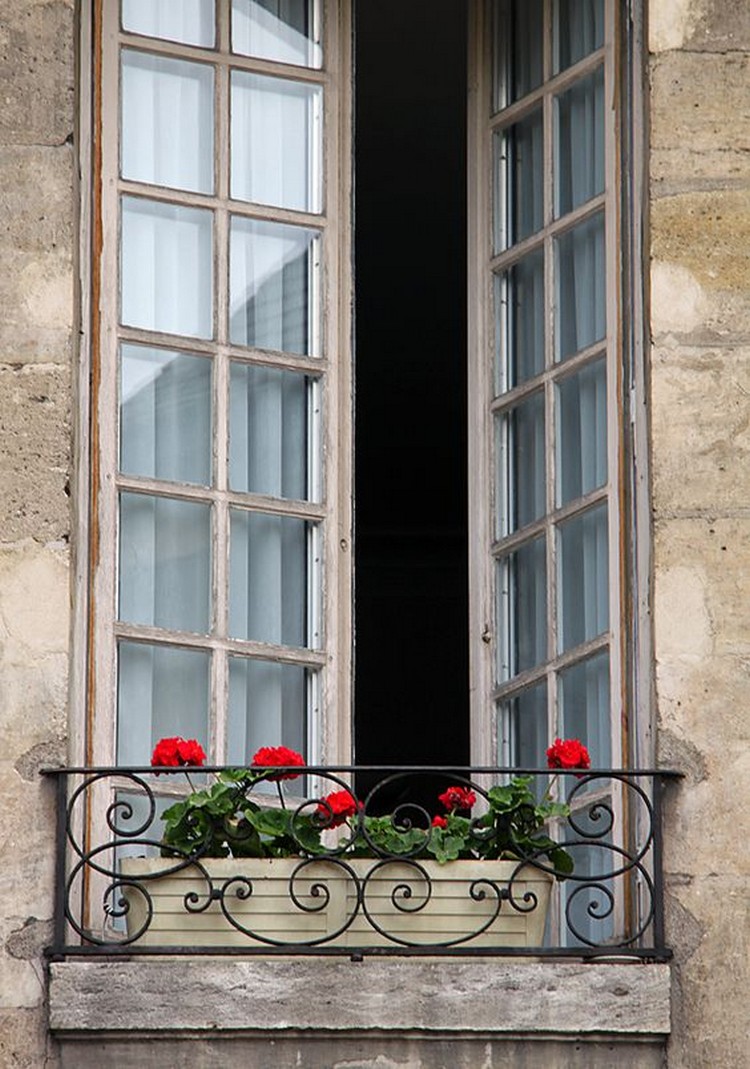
<point>281,794</point>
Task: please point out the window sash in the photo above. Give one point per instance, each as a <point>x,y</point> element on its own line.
<point>318,644</point>
<point>525,407</point>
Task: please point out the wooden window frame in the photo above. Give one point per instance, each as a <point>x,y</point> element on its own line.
<point>490,744</point>
<point>329,731</point>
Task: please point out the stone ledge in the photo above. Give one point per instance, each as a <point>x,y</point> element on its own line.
<point>339,996</point>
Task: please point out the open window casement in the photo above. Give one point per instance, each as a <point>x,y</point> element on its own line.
<point>223,545</point>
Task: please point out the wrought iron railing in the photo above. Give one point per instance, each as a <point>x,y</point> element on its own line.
<point>368,877</point>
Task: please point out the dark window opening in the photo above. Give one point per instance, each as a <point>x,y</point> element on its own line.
<point>411,573</point>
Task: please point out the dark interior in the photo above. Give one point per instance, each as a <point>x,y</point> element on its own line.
<point>411,595</point>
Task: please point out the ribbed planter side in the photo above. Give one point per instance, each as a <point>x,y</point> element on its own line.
<point>285,901</point>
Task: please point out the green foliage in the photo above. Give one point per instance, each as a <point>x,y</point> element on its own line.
<point>223,820</point>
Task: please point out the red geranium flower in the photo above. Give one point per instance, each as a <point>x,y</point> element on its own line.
<point>439,822</point>
<point>568,753</point>
<point>173,752</point>
<point>334,808</point>
<point>457,798</point>
<point>278,756</point>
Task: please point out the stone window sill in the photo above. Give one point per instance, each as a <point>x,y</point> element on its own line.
<point>338,996</point>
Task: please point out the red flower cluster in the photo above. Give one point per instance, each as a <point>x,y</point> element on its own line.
<point>439,822</point>
<point>171,753</point>
<point>335,808</point>
<point>568,753</point>
<point>457,798</point>
<point>278,756</point>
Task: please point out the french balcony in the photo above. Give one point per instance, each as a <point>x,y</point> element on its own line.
<point>360,861</point>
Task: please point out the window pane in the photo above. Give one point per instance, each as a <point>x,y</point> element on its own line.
<point>162,691</point>
<point>580,269</point>
<point>268,578</point>
<point>522,609</point>
<point>267,707</point>
<point>268,431</point>
<point>519,180</point>
<point>579,143</point>
<point>584,707</point>
<point>517,49</point>
<point>582,432</point>
<point>520,459</point>
<point>167,121</point>
<point>165,562</point>
<point>276,141</point>
<point>583,578</point>
<point>519,312</point>
<point>284,30</point>
<point>525,725</point>
<point>167,268</point>
<point>188,21</point>
<point>273,282</point>
<point>165,414</point>
<point>577,30</point>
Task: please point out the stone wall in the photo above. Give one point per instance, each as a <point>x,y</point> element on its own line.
<point>699,415</point>
<point>37,238</point>
<point>700,467</point>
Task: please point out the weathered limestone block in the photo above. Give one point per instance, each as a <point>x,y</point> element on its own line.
<point>21,979</point>
<point>37,72</point>
<point>36,251</point>
<point>700,25</point>
<point>307,1051</point>
<point>700,419</point>
<point>693,93</point>
<point>672,23</point>
<point>35,448</point>
<point>25,1042</point>
<point>708,235</point>
<point>708,922</point>
<point>702,652</point>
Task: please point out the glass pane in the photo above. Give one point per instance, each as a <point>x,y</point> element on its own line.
<point>167,254</point>
<point>579,143</point>
<point>583,578</point>
<point>162,691</point>
<point>577,30</point>
<point>520,456</point>
<point>188,21</point>
<point>165,414</point>
<point>165,562</point>
<point>519,180</point>
<point>284,30</point>
<point>267,707</point>
<point>519,312</point>
<point>268,578</point>
<point>586,906</point>
<point>517,47</point>
<point>268,431</point>
<point>584,707</point>
<point>167,121</point>
<point>580,268</point>
<point>276,141</point>
<point>521,609</point>
<point>273,273</point>
<point>525,726</point>
<point>582,432</point>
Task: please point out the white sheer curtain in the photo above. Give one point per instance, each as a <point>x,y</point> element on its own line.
<point>267,707</point>
<point>167,285</point>
<point>283,30</point>
<point>167,121</point>
<point>167,254</point>
<point>162,691</point>
<point>276,141</point>
<point>188,21</point>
